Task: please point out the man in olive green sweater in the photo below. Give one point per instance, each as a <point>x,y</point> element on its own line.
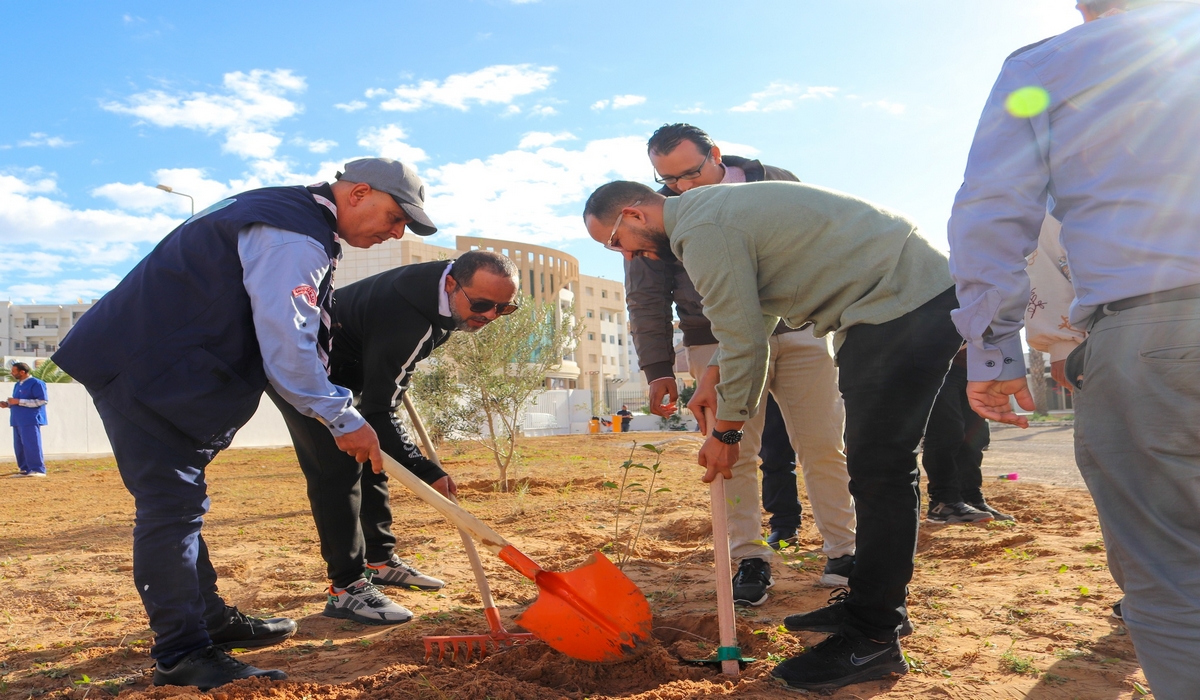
<point>759,252</point>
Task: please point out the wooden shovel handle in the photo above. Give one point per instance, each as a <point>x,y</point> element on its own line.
<point>489,538</point>
<point>726,622</point>
<point>485,591</point>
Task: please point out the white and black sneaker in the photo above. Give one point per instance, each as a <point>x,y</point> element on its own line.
<point>751,582</point>
<point>955,513</point>
<point>397,572</point>
<point>362,602</point>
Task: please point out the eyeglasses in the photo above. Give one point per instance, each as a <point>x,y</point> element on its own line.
<point>503,308</point>
<point>689,175</point>
<point>616,224</point>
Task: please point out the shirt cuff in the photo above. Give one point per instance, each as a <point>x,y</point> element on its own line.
<point>999,363</point>
<point>659,370</point>
<point>349,421</point>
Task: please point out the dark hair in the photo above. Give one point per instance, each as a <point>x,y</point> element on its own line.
<point>472,261</point>
<point>608,199</point>
<point>1101,6</point>
<point>668,136</point>
<point>21,366</point>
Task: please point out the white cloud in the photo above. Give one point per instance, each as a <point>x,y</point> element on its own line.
<point>252,103</point>
<point>893,108</point>
<point>38,138</point>
<point>145,197</point>
<point>779,96</point>
<point>619,102</point>
<point>538,139</point>
<point>388,141</point>
<point>533,196</point>
<point>737,149</point>
<point>623,101</point>
<point>543,111</point>
<point>321,145</point>
<point>697,108</point>
<point>499,84</point>
<point>511,110</point>
<point>63,291</point>
<point>351,106</point>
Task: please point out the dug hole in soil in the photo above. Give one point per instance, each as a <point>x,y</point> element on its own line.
<point>1001,611</point>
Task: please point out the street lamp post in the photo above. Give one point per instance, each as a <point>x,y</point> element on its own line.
<point>168,188</point>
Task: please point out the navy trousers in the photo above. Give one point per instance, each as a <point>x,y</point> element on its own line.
<point>27,445</point>
<point>954,442</point>
<point>889,375</point>
<point>779,495</point>
<point>171,569</point>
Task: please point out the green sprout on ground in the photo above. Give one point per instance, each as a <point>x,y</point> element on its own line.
<point>625,491</point>
<point>1012,663</point>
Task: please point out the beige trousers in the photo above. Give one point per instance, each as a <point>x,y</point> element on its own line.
<point>803,379</point>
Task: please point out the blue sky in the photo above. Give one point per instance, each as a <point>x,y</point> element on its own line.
<point>512,111</point>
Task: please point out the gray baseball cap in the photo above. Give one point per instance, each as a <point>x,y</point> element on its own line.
<point>398,180</point>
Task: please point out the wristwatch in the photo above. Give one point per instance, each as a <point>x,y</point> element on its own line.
<point>729,437</point>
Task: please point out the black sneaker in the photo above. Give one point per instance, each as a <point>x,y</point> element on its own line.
<point>987,508</point>
<point>840,661</point>
<point>751,582</point>
<point>828,619</point>
<point>953,513</point>
<point>236,630</point>
<point>209,668</point>
<point>1116,610</point>
<point>837,571</point>
<point>783,538</point>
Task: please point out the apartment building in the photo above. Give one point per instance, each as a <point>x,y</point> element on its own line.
<point>35,330</point>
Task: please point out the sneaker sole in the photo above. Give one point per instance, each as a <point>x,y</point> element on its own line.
<point>377,582</point>
<point>254,643</point>
<point>833,580</point>
<point>343,614</point>
<point>867,674</point>
<point>755,603</point>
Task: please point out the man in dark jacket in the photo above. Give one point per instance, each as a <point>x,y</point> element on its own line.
<point>176,359</point>
<point>802,379</point>
<point>382,327</point>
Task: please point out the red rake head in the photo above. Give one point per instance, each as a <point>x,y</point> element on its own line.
<point>462,647</point>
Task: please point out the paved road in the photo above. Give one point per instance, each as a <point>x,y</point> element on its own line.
<point>1045,454</point>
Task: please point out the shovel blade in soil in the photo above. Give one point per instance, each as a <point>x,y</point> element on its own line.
<point>591,613</point>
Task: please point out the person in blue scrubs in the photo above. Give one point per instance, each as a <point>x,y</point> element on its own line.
<point>27,416</point>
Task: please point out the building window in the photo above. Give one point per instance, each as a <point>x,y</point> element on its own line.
<point>532,290</point>
<point>601,337</point>
<point>612,339</point>
<point>620,341</point>
<point>592,359</point>
<point>589,314</point>
<point>591,336</point>
<point>416,258</point>
<point>603,293</point>
<point>617,295</point>
<point>589,291</point>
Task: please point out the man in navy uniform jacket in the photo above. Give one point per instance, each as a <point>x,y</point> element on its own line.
<point>27,416</point>
<point>382,327</point>
<point>177,356</point>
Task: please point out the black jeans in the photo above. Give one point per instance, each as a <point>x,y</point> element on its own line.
<point>954,442</point>
<point>889,375</point>
<point>779,495</point>
<point>349,501</point>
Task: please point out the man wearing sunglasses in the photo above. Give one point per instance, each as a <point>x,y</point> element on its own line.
<point>382,327</point>
<point>802,380</point>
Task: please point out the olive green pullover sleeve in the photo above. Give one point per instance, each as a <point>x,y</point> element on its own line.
<point>759,252</point>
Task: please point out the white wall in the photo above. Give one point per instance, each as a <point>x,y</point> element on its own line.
<point>74,428</point>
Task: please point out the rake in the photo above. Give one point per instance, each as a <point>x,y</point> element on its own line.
<point>469,645</point>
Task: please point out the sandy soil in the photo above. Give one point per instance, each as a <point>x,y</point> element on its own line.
<point>1002,611</point>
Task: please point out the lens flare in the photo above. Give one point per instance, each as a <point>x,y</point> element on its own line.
<point>1027,102</point>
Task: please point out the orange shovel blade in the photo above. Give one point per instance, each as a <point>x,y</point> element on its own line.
<point>591,613</point>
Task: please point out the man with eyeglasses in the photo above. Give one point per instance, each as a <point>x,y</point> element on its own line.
<point>766,251</point>
<point>382,327</point>
<point>801,375</point>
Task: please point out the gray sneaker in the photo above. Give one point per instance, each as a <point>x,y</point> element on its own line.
<point>953,513</point>
<point>397,572</point>
<point>987,508</point>
<point>362,602</point>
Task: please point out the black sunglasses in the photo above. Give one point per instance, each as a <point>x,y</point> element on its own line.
<point>503,308</point>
